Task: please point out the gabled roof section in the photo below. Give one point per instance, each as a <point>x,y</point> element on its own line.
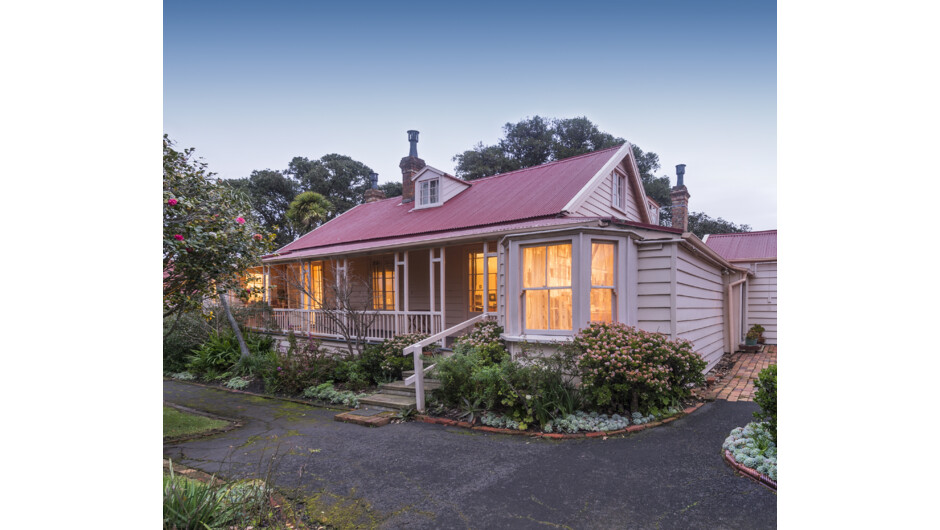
<point>744,246</point>
<point>625,153</point>
<point>531,193</point>
<point>439,173</point>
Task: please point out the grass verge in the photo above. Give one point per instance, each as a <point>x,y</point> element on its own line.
<point>177,423</point>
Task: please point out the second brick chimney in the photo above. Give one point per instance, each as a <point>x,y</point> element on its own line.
<point>374,193</point>
<point>410,166</point>
<point>680,201</point>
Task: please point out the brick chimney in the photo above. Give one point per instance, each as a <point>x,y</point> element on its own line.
<point>680,201</point>
<point>374,193</point>
<point>410,165</point>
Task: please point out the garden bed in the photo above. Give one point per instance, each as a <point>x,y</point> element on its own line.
<point>283,397</point>
<point>452,422</point>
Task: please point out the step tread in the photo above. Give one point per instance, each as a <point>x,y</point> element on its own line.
<point>389,400</point>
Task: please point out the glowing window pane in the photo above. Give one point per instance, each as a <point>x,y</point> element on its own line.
<point>602,264</point>
<point>602,305</point>
<point>533,267</point>
<point>559,265</point>
<point>561,308</point>
<point>536,309</point>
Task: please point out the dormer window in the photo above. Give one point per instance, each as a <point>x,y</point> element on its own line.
<point>430,192</point>
<point>618,195</point>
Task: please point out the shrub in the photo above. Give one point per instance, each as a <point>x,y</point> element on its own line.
<point>220,352</point>
<point>766,398</point>
<point>385,361</point>
<point>304,364</point>
<point>484,333</point>
<point>190,504</point>
<point>185,335</point>
<point>622,366</point>
<point>238,383</point>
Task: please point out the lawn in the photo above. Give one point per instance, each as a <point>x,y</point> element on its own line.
<point>176,423</point>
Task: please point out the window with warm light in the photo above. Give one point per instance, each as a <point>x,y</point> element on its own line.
<point>254,283</point>
<point>430,193</point>
<point>383,286</point>
<point>602,282</point>
<point>546,284</point>
<point>314,286</point>
<point>477,296</point>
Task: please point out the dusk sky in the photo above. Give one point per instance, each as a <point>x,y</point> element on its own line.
<point>251,85</point>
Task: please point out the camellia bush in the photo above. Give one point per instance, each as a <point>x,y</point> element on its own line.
<point>625,367</point>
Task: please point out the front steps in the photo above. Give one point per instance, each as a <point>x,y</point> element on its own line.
<point>398,395</point>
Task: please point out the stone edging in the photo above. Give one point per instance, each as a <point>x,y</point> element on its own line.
<point>321,404</point>
<point>748,472</point>
<point>552,435</point>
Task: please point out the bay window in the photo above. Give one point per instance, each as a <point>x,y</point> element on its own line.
<point>546,284</point>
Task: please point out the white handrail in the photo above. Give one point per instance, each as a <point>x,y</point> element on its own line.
<point>416,348</point>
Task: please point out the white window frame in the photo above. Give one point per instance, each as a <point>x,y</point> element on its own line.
<point>618,191</point>
<point>425,197</point>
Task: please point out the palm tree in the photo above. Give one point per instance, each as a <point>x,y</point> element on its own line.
<point>308,210</point>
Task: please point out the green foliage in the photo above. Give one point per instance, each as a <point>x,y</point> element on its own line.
<point>326,392</point>
<point>701,224</point>
<point>531,142</point>
<point>270,193</point>
<point>182,333</point>
<point>238,383</point>
<point>753,446</point>
<point>753,333</point>
<point>177,423</point>
<point>766,398</point>
<point>210,235</point>
<point>302,365</point>
<point>386,361</point>
<point>391,189</point>
<point>340,179</point>
<point>534,393</point>
<point>191,505</point>
<point>623,367</point>
<point>220,354</point>
<point>308,210</point>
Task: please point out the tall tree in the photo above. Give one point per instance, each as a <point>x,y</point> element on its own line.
<point>531,142</point>
<point>308,211</point>
<point>701,224</point>
<point>338,178</point>
<point>210,236</point>
<point>391,189</point>
<point>270,193</point>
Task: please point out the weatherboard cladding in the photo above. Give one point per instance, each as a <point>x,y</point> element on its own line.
<point>531,193</point>
<point>745,246</point>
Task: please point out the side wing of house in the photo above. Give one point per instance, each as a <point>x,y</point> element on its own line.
<point>762,299</point>
<point>700,305</point>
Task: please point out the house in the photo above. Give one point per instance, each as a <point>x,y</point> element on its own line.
<point>757,251</point>
<point>543,250</point>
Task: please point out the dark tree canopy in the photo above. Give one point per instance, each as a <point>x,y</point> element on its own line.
<point>391,189</point>
<point>701,224</point>
<point>339,179</point>
<point>270,193</point>
<point>531,142</point>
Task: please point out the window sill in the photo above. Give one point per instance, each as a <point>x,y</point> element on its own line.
<point>538,339</point>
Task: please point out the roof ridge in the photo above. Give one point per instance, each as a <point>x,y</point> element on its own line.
<point>543,165</point>
<point>733,234</point>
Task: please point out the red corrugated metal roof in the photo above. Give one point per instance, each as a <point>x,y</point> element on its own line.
<point>531,193</point>
<point>358,246</point>
<point>744,246</point>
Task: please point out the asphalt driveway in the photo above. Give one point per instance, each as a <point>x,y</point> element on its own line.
<point>417,475</point>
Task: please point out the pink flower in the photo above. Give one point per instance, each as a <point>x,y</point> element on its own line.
<point>240,220</point>
<point>172,202</point>
<point>178,237</point>
<point>257,237</point>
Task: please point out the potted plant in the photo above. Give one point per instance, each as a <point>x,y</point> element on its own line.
<point>752,335</point>
<point>760,332</point>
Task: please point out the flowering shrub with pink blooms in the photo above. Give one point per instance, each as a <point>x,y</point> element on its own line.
<point>625,367</point>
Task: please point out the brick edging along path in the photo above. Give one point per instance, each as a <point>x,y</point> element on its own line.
<point>552,435</point>
<point>748,472</point>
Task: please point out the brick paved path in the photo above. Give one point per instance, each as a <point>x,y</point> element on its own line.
<point>738,384</point>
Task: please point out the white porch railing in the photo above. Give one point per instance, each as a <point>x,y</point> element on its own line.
<point>328,323</point>
<point>415,350</point>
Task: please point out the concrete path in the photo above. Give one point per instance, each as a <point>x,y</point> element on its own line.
<point>417,475</point>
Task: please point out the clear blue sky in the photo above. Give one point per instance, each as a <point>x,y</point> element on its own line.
<point>252,84</point>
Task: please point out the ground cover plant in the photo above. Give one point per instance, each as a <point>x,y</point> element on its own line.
<point>177,423</point>
<point>755,445</point>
